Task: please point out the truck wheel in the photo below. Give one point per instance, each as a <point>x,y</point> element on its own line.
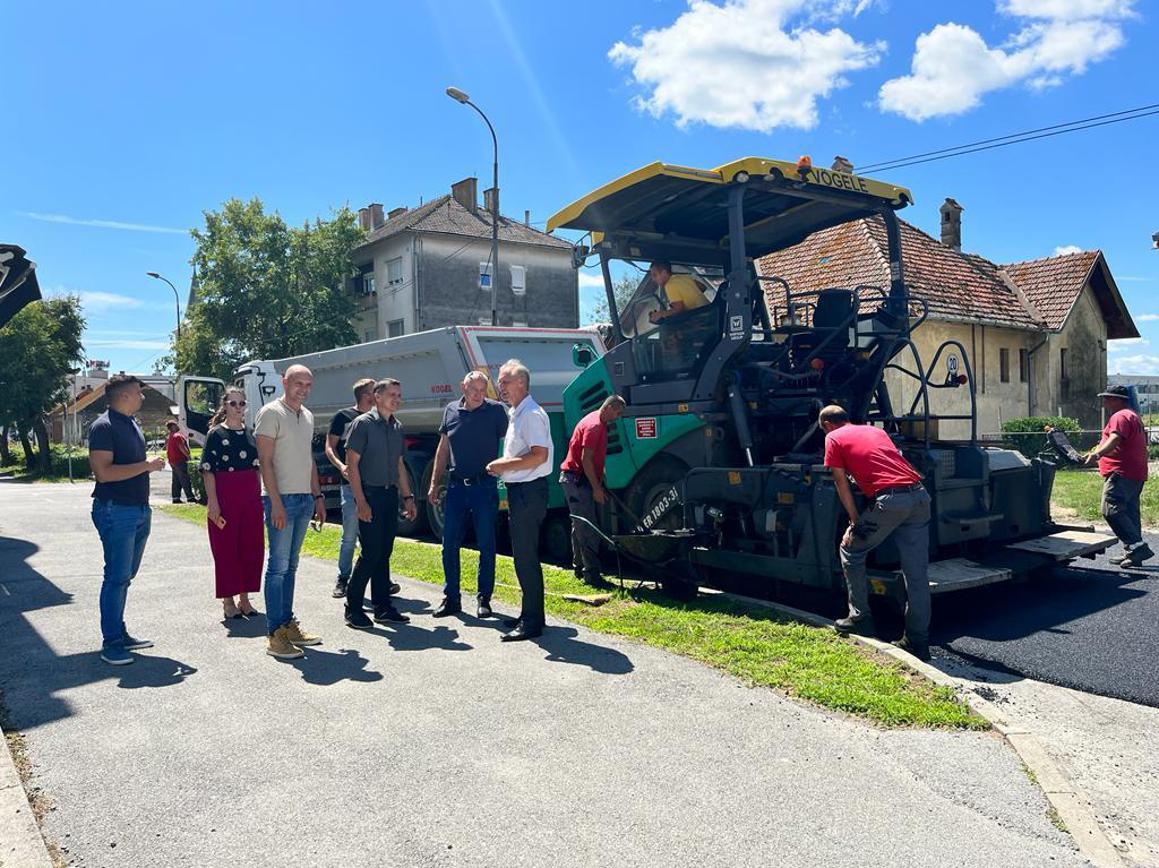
<point>433,511</point>
<point>416,527</point>
<point>651,485</point>
<point>555,539</point>
<point>679,589</point>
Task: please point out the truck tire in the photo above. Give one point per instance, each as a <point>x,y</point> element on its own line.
<point>555,539</point>
<point>651,484</point>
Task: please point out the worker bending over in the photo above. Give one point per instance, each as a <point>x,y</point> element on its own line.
<point>899,507</point>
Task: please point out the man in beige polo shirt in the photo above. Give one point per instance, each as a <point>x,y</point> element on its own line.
<point>292,496</point>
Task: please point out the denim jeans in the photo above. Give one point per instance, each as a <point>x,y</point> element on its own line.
<point>481,500</point>
<point>124,531</point>
<point>349,533</point>
<point>282,563</point>
<point>905,516</point>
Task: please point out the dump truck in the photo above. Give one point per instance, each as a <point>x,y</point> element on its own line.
<point>430,365</point>
<point>716,466</point>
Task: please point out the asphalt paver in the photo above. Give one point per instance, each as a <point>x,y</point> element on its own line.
<point>434,744</point>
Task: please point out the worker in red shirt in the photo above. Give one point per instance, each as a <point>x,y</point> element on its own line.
<point>1122,460</point>
<point>582,478</point>
<point>899,507</point>
<point>177,451</point>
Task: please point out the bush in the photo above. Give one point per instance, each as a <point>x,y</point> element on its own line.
<point>1028,436</point>
<point>196,481</point>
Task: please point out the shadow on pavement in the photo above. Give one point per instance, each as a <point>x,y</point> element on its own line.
<point>34,676</point>
<point>329,667</point>
<point>562,647</point>
<point>410,637</point>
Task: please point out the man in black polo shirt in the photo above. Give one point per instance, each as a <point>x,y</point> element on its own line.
<point>468,440</point>
<point>378,480</point>
<point>121,511</point>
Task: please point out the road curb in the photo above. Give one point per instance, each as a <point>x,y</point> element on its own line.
<point>1068,801</point>
<point>21,844</point>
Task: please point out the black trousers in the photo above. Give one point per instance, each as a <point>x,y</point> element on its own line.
<point>376,537</point>
<point>526,509</point>
<point>181,482</point>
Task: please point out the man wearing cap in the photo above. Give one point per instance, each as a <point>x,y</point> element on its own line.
<point>177,451</point>
<point>1122,459</point>
<point>468,441</point>
<point>899,507</point>
<point>582,478</point>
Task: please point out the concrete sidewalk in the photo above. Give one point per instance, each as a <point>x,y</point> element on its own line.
<point>579,750</point>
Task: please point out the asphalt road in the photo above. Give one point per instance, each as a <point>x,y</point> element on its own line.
<point>435,744</point>
<point>1094,628</point>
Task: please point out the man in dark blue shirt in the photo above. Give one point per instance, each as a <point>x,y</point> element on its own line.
<point>121,511</point>
<point>468,440</point>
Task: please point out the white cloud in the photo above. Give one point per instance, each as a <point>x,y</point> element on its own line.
<point>103,224</point>
<point>1144,365</point>
<point>1146,317</point>
<point>747,64</point>
<point>587,279</point>
<point>126,345</point>
<point>953,67</point>
<point>1122,345</point>
<point>101,302</point>
<point>1066,250</point>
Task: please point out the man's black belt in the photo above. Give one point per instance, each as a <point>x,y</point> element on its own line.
<point>898,489</point>
<point>458,479</point>
<point>538,480</point>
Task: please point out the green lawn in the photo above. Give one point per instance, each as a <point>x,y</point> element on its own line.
<point>757,645</point>
<point>1081,490</point>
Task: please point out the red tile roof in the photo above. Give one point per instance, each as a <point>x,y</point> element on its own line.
<point>1052,285</point>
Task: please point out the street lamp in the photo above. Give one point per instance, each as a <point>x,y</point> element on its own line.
<point>176,298</point>
<point>459,96</point>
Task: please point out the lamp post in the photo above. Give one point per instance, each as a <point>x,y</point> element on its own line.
<point>459,96</point>
<point>176,298</point>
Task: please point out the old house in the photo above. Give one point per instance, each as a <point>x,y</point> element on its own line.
<point>1034,333</point>
<point>420,269</point>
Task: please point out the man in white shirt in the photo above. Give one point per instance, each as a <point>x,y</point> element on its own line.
<point>528,457</point>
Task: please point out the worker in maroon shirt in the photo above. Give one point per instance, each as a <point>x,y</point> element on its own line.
<point>1122,460</point>
<point>582,477</point>
<point>899,507</point>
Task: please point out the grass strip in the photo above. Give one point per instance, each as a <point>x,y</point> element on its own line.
<point>759,646</point>
<point>1082,491</point>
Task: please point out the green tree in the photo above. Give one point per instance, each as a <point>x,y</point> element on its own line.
<point>37,350</point>
<point>267,290</point>
<point>622,287</point>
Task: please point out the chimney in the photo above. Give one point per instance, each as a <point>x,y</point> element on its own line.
<point>396,212</point>
<point>951,213</point>
<point>466,193</point>
<point>376,219</point>
<point>364,219</point>
<point>526,218</point>
<point>840,164</point>
<point>490,201</point>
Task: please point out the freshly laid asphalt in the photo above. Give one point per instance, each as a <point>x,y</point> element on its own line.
<point>434,744</point>
<point>1094,628</point>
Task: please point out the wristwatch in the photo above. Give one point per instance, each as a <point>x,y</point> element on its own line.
<point>408,497</point>
<point>319,497</point>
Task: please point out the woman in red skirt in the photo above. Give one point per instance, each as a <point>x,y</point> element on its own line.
<point>229,466</point>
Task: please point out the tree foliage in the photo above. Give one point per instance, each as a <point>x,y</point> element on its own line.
<point>267,290</point>
<point>622,287</point>
<point>38,348</point>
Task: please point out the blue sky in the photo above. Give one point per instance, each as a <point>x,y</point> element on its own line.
<point>133,118</point>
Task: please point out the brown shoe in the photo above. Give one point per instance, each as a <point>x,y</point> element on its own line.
<point>295,634</point>
<point>282,648</point>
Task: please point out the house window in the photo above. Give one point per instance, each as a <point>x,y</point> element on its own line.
<point>1004,365</point>
<point>368,287</point>
<point>518,279</point>
<point>1023,366</point>
<point>396,328</point>
<point>484,276</point>
<point>394,271</point>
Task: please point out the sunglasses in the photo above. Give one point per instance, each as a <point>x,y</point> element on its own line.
<point>235,403</point>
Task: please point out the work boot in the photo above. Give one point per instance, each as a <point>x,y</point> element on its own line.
<point>340,587</point>
<point>483,608</point>
<point>579,572</point>
<point>281,647</point>
<point>598,581</point>
<point>1136,556</point>
<point>919,648</point>
<point>296,635</point>
<point>390,615</point>
<point>862,626</point>
<point>449,606</point>
<point>357,619</point>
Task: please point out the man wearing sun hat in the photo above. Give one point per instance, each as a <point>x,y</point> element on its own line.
<point>1122,459</point>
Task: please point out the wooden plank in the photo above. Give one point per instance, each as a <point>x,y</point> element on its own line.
<point>1067,544</point>
<point>957,574</point>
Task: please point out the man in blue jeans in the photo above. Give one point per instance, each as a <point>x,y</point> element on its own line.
<point>121,511</point>
<point>468,440</point>
<point>336,452</point>
<point>285,433</point>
